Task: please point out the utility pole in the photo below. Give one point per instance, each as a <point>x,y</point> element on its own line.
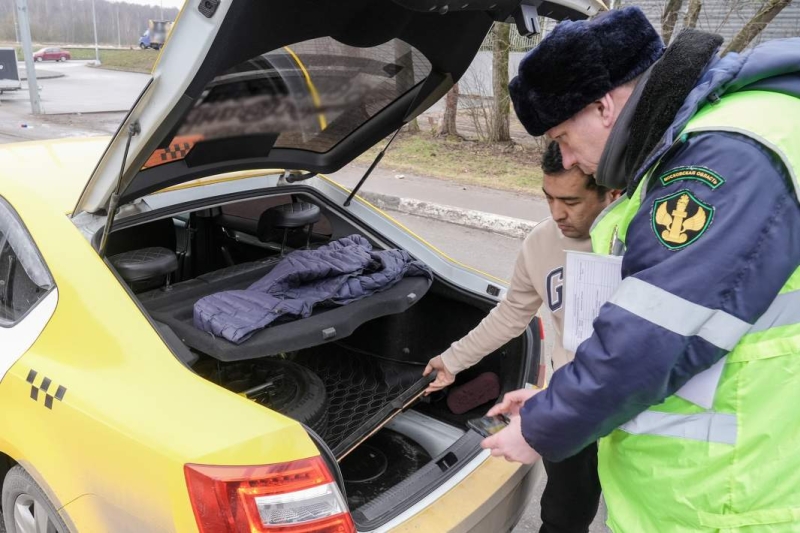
<point>25,28</point>
<point>96,49</point>
<point>162,9</point>
<point>119,40</point>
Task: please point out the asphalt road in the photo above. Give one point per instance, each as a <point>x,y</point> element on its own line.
<point>110,90</point>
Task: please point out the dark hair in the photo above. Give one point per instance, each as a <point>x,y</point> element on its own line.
<point>553,165</point>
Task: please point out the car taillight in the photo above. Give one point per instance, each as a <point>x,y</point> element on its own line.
<point>294,497</point>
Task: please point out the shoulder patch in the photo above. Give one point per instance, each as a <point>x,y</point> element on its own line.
<point>701,174</point>
<point>679,219</point>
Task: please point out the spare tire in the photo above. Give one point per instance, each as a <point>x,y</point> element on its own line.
<point>284,386</point>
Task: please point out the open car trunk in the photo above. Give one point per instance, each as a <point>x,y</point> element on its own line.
<point>307,86</point>
<point>351,373</point>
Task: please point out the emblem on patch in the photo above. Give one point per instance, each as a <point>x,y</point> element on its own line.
<point>679,219</point>
<point>701,174</point>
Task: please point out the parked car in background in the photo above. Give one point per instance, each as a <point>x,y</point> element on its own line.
<point>51,54</point>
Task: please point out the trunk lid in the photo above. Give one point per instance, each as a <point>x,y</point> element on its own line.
<point>300,84</point>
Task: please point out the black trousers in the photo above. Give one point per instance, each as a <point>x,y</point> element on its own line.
<point>572,494</point>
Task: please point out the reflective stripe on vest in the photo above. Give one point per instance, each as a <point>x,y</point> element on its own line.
<point>686,318</point>
<point>784,311</point>
<point>677,315</point>
<point>706,427</point>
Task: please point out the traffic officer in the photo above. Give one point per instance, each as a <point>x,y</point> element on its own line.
<point>692,374</point>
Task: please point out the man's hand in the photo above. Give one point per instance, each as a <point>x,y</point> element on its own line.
<point>513,402</point>
<point>510,443</point>
<point>443,376</point>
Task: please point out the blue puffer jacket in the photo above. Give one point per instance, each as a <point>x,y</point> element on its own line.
<point>737,267</point>
<point>338,273</point>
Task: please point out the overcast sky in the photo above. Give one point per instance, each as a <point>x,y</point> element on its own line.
<point>157,3</point>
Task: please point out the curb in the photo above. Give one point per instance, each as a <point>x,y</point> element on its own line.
<point>503,225</point>
<point>78,113</point>
<point>42,75</point>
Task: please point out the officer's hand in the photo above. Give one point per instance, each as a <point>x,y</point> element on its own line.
<point>443,376</point>
<point>510,444</point>
<point>513,402</point>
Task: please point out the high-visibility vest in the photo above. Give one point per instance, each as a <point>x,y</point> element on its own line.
<point>735,465</point>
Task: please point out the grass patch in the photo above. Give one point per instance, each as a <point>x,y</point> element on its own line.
<point>130,60</point>
<point>509,167</point>
<point>135,60</point>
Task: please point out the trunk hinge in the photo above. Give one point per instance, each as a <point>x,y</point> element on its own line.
<point>133,129</point>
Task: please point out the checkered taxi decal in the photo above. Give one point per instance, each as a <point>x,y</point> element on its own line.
<point>177,149</point>
<point>45,387</point>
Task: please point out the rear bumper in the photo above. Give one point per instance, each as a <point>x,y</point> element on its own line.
<point>489,500</point>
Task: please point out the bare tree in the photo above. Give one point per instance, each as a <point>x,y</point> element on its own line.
<point>754,26</point>
<point>501,105</point>
<point>669,18</point>
<point>473,91</point>
<point>405,79</point>
<point>70,21</point>
<point>692,13</point>
<point>448,126</point>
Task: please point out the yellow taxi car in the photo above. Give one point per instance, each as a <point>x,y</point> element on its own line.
<point>120,413</point>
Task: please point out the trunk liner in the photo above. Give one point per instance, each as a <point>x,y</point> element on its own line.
<point>363,392</point>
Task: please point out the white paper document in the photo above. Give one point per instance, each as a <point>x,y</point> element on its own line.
<point>591,279</point>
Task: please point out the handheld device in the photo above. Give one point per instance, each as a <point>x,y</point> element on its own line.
<point>488,425</point>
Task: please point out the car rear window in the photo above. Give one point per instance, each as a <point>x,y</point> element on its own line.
<point>311,94</point>
<point>24,278</point>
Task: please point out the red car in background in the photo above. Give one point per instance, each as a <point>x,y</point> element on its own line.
<point>51,54</point>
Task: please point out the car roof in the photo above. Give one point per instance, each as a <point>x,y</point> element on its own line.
<point>55,171</point>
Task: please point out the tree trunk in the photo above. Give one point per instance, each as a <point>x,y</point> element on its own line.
<point>692,13</point>
<point>404,80</point>
<point>754,26</point>
<point>501,104</point>
<point>448,126</point>
<point>669,18</point>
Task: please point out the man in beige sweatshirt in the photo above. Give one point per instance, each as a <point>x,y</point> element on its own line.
<point>572,493</point>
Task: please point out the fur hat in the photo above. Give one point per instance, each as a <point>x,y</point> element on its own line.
<point>579,62</point>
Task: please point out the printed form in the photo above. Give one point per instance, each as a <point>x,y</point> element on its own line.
<point>591,279</point>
